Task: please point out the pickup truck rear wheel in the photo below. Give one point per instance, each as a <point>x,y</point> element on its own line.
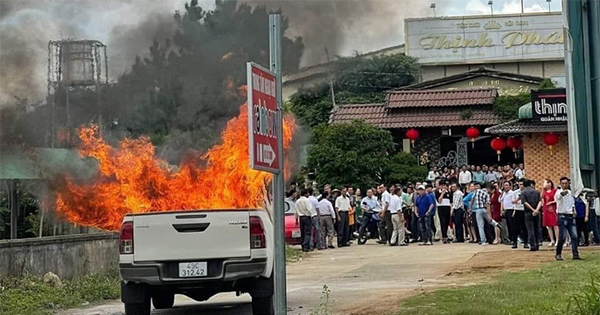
<point>163,300</point>
<point>263,306</point>
<point>138,308</point>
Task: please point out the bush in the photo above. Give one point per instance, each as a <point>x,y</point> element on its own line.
<point>30,295</point>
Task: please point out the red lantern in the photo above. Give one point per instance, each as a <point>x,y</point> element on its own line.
<point>498,144</point>
<point>514,144</point>
<point>412,134</point>
<point>472,133</point>
<point>550,140</point>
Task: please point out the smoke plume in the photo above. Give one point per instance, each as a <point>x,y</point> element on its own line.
<point>128,27</point>
<point>341,27</point>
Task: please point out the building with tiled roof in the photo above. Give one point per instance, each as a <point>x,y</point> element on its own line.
<point>440,116</point>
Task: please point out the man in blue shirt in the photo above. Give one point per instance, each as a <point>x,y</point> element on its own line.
<point>424,210</point>
<point>479,176</point>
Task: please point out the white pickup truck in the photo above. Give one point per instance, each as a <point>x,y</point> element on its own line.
<point>198,254</point>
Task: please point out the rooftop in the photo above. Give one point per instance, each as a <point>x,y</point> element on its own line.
<point>526,126</point>
<point>440,98</point>
<point>479,72</point>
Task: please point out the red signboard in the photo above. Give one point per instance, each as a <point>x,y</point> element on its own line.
<point>263,121</point>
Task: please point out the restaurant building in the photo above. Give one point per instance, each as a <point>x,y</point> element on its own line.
<point>466,63</point>
<point>441,111</point>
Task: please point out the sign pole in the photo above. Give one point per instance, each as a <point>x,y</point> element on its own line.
<point>278,182</point>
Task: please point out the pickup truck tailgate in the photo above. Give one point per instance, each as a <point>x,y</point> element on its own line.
<point>191,235</point>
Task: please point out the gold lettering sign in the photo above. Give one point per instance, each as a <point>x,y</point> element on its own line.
<point>509,40</point>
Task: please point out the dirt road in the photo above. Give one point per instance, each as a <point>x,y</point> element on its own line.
<point>368,279</point>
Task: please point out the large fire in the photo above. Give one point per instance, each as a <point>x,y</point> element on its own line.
<point>132,180</point>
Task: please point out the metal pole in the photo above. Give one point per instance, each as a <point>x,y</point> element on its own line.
<point>522,7</point>
<point>278,184</point>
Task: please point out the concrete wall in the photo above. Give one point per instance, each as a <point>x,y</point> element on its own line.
<point>68,256</point>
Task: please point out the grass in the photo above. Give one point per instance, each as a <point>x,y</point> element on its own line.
<point>292,254</point>
<point>551,289</point>
<point>30,295</point>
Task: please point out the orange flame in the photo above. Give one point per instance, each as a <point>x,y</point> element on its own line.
<point>132,180</point>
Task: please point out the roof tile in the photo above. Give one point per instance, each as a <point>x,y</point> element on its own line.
<point>421,117</point>
<point>433,98</point>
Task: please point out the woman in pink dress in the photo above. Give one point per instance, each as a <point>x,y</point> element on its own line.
<point>550,219</point>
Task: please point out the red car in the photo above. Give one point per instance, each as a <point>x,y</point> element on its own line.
<point>292,231</point>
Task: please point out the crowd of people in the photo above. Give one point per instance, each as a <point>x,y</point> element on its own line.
<point>476,204</point>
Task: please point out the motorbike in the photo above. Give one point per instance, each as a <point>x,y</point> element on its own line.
<point>369,227</point>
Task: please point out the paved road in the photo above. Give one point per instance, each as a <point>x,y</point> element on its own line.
<point>359,277</point>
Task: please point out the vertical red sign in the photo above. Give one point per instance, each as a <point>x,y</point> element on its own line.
<point>263,121</point>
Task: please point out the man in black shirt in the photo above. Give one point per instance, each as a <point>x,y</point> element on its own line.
<point>532,202</point>
<point>444,202</point>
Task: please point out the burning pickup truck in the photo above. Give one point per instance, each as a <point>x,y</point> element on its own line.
<point>198,254</point>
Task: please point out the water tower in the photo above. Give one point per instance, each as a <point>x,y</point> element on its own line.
<point>77,71</point>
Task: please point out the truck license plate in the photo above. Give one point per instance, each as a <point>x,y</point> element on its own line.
<point>193,269</point>
<point>296,234</point>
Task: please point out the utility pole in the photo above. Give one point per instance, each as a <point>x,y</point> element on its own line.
<point>278,182</point>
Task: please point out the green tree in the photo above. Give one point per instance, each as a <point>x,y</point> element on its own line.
<point>402,168</point>
<point>356,80</point>
<point>188,87</point>
<point>349,154</point>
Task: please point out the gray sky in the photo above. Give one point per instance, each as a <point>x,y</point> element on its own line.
<point>128,27</point>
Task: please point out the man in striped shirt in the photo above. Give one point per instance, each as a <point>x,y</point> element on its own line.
<point>480,205</point>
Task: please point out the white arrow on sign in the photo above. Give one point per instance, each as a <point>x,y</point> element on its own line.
<point>268,154</point>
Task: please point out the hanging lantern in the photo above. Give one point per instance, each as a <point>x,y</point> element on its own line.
<point>498,144</point>
<point>412,134</point>
<point>550,140</point>
<point>514,143</point>
<point>472,133</point>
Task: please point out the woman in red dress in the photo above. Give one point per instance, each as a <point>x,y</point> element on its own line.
<point>495,206</point>
<point>550,219</point>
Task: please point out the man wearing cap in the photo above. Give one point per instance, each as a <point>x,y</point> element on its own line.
<point>424,210</point>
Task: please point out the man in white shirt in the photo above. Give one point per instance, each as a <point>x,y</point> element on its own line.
<point>507,209</point>
<point>457,214</point>
<point>342,206</point>
<point>304,214</point>
<point>565,209</point>
<point>395,208</point>
<point>315,238</point>
<point>520,172</point>
<point>464,177</point>
<point>327,218</point>
<point>385,225</point>
<point>518,219</point>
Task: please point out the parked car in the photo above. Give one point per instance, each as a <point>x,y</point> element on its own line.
<point>292,231</point>
<point>197,254</point>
